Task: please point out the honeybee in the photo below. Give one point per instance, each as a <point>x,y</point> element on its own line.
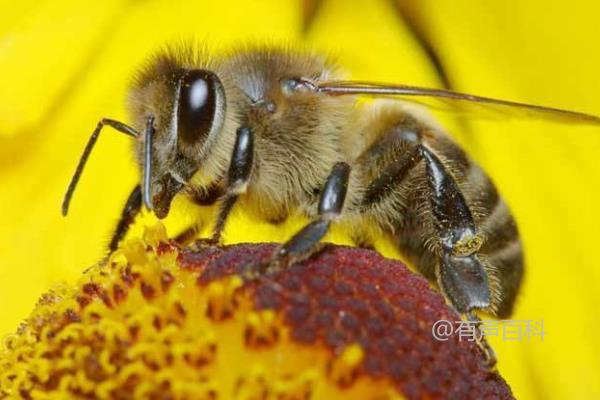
<point>277,132</point>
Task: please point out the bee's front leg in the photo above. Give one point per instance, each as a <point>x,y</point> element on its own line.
<point>206,197</point>
<point>130,211</point>
<point>306,242</point>
<point>238,176</point>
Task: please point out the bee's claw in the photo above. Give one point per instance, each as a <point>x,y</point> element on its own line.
<point>488,353</point>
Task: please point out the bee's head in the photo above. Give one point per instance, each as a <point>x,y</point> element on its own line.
<point>177,113</point>
<point>182,111</point>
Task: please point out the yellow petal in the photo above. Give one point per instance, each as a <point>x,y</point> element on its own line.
<point>64,64</point>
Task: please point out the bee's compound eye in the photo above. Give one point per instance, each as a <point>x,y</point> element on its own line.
<point>200,109</point>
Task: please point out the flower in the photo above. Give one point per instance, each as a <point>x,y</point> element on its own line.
<point>160,321</point>
<point>65,64</point>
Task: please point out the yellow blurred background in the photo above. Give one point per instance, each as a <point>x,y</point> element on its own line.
<point>64,64</point>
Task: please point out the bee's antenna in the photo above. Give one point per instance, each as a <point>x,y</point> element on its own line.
<point>147,182</point>
<point>119,126</point>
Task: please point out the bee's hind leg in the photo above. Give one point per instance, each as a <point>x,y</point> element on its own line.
<point>488,352</point>
<point>307,241</point>
<point>460,271</point>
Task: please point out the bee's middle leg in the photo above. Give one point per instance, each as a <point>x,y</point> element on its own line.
<point>307,241</point>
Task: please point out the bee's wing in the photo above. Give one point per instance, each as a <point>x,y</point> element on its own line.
<point>460,102</point>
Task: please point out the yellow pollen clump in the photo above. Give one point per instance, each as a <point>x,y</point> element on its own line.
<point>221,301</point>
<point>261,328</point>
<point>344,368</point>
<point>141,325</point>
<point>467,246</point>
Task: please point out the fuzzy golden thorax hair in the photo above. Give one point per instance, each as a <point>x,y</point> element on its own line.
<point>297,135</point>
